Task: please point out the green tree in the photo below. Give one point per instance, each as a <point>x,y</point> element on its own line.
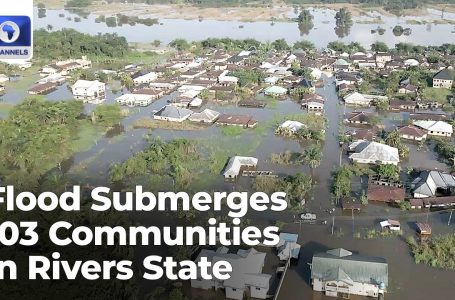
<point>280,45</point>
<point>312,156</point>
<point>388,171</point>
<point>180,44</point>
<point>379,47</point>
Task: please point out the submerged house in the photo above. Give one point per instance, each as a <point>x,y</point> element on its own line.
<point>432,184</point>
<point>366,152</point>
<point>172,113</point>
<point>290,127</point>
<point>88,90</point>
<point>340,273</point>
<point>236,164</point>
<point>237,120</point>
<point>385,193</point>
<point>135,99</point>
<point>288,247</point>
<point>359,117</point>
<point>312,102</point>
<point>275,91</point>
<point>246,278</point>
<point>205,116</point>
<point>356,98</point>
<point>42,88</point>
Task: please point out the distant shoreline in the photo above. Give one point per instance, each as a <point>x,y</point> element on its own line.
<point>277,12</point>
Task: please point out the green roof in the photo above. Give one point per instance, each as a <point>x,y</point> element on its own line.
<point>275,90</point>
<point>340,264</point>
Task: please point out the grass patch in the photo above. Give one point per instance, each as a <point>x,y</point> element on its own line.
<point>309,119</point>
<point>27,79</point>
<point>232,130</point>
<point>375,234</point>
<point>148,123</point>
<point>434,94</point>
<point>5,108</point>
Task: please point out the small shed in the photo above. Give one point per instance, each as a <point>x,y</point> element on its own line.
<point>392,225</point>
<point>423,228</point>
<point>351,204</point>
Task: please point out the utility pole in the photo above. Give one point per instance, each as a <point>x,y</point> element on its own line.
<point>333,223</point>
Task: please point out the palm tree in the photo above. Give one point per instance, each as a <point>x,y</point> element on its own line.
<point>343,17</point>
<point>343,22</point>
<point>312,156</point>
<point>305,17</point>
<point>127,81</point>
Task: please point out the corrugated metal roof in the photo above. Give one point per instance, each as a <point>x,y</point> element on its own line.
<point>356,267</point>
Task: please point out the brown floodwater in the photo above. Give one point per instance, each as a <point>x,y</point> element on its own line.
<point>120,144</point>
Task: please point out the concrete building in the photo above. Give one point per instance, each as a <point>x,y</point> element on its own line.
<point>205,116</point>
<point>275,91</point>
<point>172,113</point>
<point>288,247</point>
<point>438,128</point>
<point>135,100</point>
<point>236,164</point>
<point>412,133</point>
<point>443,79</point>
<point>88,90</point>
<point>145,78</point>
<point>246,278</point>
<point>432,184</point>
<point>366,152</point>
<point>291,126</point>
<point>340,273</point>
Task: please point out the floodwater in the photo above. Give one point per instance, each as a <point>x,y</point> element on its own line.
<point>406,279</point>
<point>322,32</point>
<point>116,147</point>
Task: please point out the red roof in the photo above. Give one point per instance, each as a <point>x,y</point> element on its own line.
<point>358,116</point>
<point>385,193</point>
<point>236,120</point>
<point>412,130</point>
<point>423,228</point>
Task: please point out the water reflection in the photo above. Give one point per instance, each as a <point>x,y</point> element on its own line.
<point>305,28</point>
<point>321,33</point>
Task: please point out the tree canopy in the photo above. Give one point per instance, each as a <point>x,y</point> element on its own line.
<point>69,43</point>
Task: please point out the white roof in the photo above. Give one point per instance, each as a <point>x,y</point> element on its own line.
<point>134,97</point>
<point>355,97</point>
<point>196,102</point>
<point>184,88</point>
<point>429,181</point>
<point>439,126</point>
<point>244,53</point>
<point>293,126</point>
<point>374,151</point>
<point>207,115</point>
<point>411,62</point>
<point>85,84</point>
<point>236,162</point>
<point>246,267</point>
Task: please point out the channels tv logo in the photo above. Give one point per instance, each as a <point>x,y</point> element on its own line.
<point>15,37</point>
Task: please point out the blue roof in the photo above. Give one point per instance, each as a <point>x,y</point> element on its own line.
<point>289,237</point>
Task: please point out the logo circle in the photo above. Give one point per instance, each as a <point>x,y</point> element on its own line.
<point>9,32</point>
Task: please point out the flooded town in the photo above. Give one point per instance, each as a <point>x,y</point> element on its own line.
<point>349,110</point>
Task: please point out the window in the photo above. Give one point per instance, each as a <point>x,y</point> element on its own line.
<point>258,289</point>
